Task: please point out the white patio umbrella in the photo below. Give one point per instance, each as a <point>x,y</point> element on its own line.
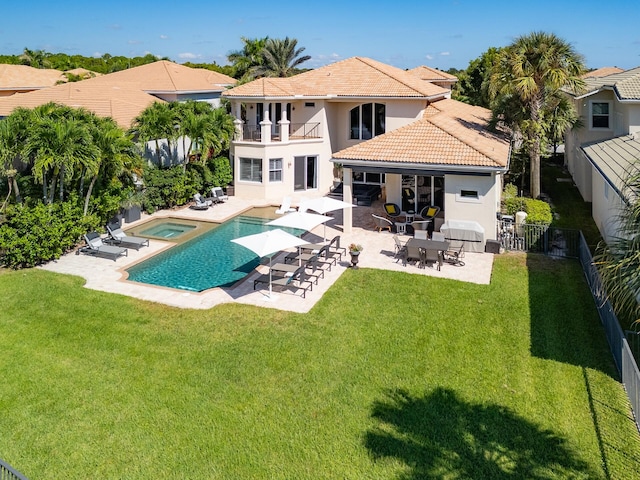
<point>326,204</point>
<point>300,220</point>
<point>267,243</point>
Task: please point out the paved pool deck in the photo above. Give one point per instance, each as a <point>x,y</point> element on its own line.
<point>378,252</point>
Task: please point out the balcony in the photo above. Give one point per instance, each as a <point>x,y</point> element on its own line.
<point>296,131</point>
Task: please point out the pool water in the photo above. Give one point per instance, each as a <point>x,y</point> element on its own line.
<point>167,230</point>
<point>206,261</point>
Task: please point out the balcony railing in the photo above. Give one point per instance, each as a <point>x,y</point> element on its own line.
<point>297,131</point>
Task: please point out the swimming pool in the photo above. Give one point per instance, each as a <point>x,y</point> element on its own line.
<point>206,261</point>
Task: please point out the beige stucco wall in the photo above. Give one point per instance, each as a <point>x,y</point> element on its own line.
<point>482,210</point>
<point>606,207</point>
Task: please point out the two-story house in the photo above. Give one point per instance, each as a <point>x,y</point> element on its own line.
<point>605,148</point>
<point>381,125</point>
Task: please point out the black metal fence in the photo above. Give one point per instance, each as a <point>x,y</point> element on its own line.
<point>622,354</point>
<point>8,473</point>
<point>554,241</point>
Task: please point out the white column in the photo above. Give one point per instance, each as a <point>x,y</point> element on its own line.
<point>346,196</point>
<point>284,127</point>
<point>265,127</point>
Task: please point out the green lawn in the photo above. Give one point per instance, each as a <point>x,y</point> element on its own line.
<point>390,376</point>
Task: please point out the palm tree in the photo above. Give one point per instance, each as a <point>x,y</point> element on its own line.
<point>281,58</point>
<point>533,70</point>
<point>9,152</point>
<point>156,122</point>
<point>35,58</point>
<point>116,154</point>
<point>619,260</point>
<point>245,60</point>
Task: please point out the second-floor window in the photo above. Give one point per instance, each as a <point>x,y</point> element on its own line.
<point>367,121</point>
<point>600,115</point>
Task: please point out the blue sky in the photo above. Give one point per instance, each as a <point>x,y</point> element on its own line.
<point>442,34</point>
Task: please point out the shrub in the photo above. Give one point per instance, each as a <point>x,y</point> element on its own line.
<point>168,187</point>
<point>538,212</point>
<point>222,174</point>
<point>35,234</point>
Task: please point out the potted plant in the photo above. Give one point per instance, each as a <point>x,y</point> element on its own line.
<point>132,206</point>
<point>354,251</point>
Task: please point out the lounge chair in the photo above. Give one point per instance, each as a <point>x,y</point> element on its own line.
<point>297,281</point>
<point>201,203</point>
<point>382,223</point>
<point>324,257</point>
<point>95,246</point>
<point>120,238</point>
<point>285,207</point>
<point>218,196</point>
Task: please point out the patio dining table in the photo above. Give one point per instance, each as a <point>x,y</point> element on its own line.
<point>414,245</point>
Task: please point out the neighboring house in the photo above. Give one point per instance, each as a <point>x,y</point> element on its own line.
<point>125,94</point>
<point>384,125</point>
<point>598,154</point>
<point>435,76</point>
<point>23,78</point>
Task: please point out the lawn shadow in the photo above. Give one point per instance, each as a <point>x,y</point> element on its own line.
<point>564,322</point>
<point>440,435</point>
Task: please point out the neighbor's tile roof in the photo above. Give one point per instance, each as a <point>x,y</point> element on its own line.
<point>353,77</point>
<point>603,72</point>
<point>450,133</point>
<point>432,74</point>
<point>165,76</point>
<point>123,102</point>
<point>24,77</point>
<point>122,95</point>
<point>626,84</point>
<point>616,159</point>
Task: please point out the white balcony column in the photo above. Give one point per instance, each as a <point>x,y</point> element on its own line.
<point>284,127</point>
<point>265,128</point>
<point>346,196</point>
<point>237,123</point>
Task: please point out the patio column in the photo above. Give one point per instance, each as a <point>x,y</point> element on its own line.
<point>346,196</point>
<point>284,127</point>
<point>238,126</point>
<point>265,128</point>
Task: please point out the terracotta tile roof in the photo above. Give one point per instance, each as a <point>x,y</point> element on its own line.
<point>123,102</point>
<point>122,95</point>
<point>353,77</point>
<point>432,74</point>
<point>603,72</point>
<point>626,84</point>
<point>23,77</point>
<point>165,76</point>
<point>450,133</point>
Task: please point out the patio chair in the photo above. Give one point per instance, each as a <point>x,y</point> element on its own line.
<point>120,238</point>
<point>95,246</point>
<point>285,207</point>
<point>438,237</point>
<point>218,196</point>
<point>400,248</point>
<point>429,212</point>
<point>382,223</point>
<point>201,203</point>
<point>335,248</point>
<point>297,280</point>
<point>392,210</point>
<point>454,254</point>
<point>431,256</point>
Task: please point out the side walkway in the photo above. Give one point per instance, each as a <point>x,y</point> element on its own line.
<point>109,276</point>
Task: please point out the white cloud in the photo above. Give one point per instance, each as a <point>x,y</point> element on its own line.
<point>444,54</point>
<point>429,57</point>
<point>188,56</point>
<point>164,37</point>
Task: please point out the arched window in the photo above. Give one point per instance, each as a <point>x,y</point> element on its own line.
<point>367,121</point>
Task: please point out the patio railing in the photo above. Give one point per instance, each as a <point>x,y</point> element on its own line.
<point>622,354</point>
<point>9,473</point>
<point>297,131</point>
<point>554,241</point>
